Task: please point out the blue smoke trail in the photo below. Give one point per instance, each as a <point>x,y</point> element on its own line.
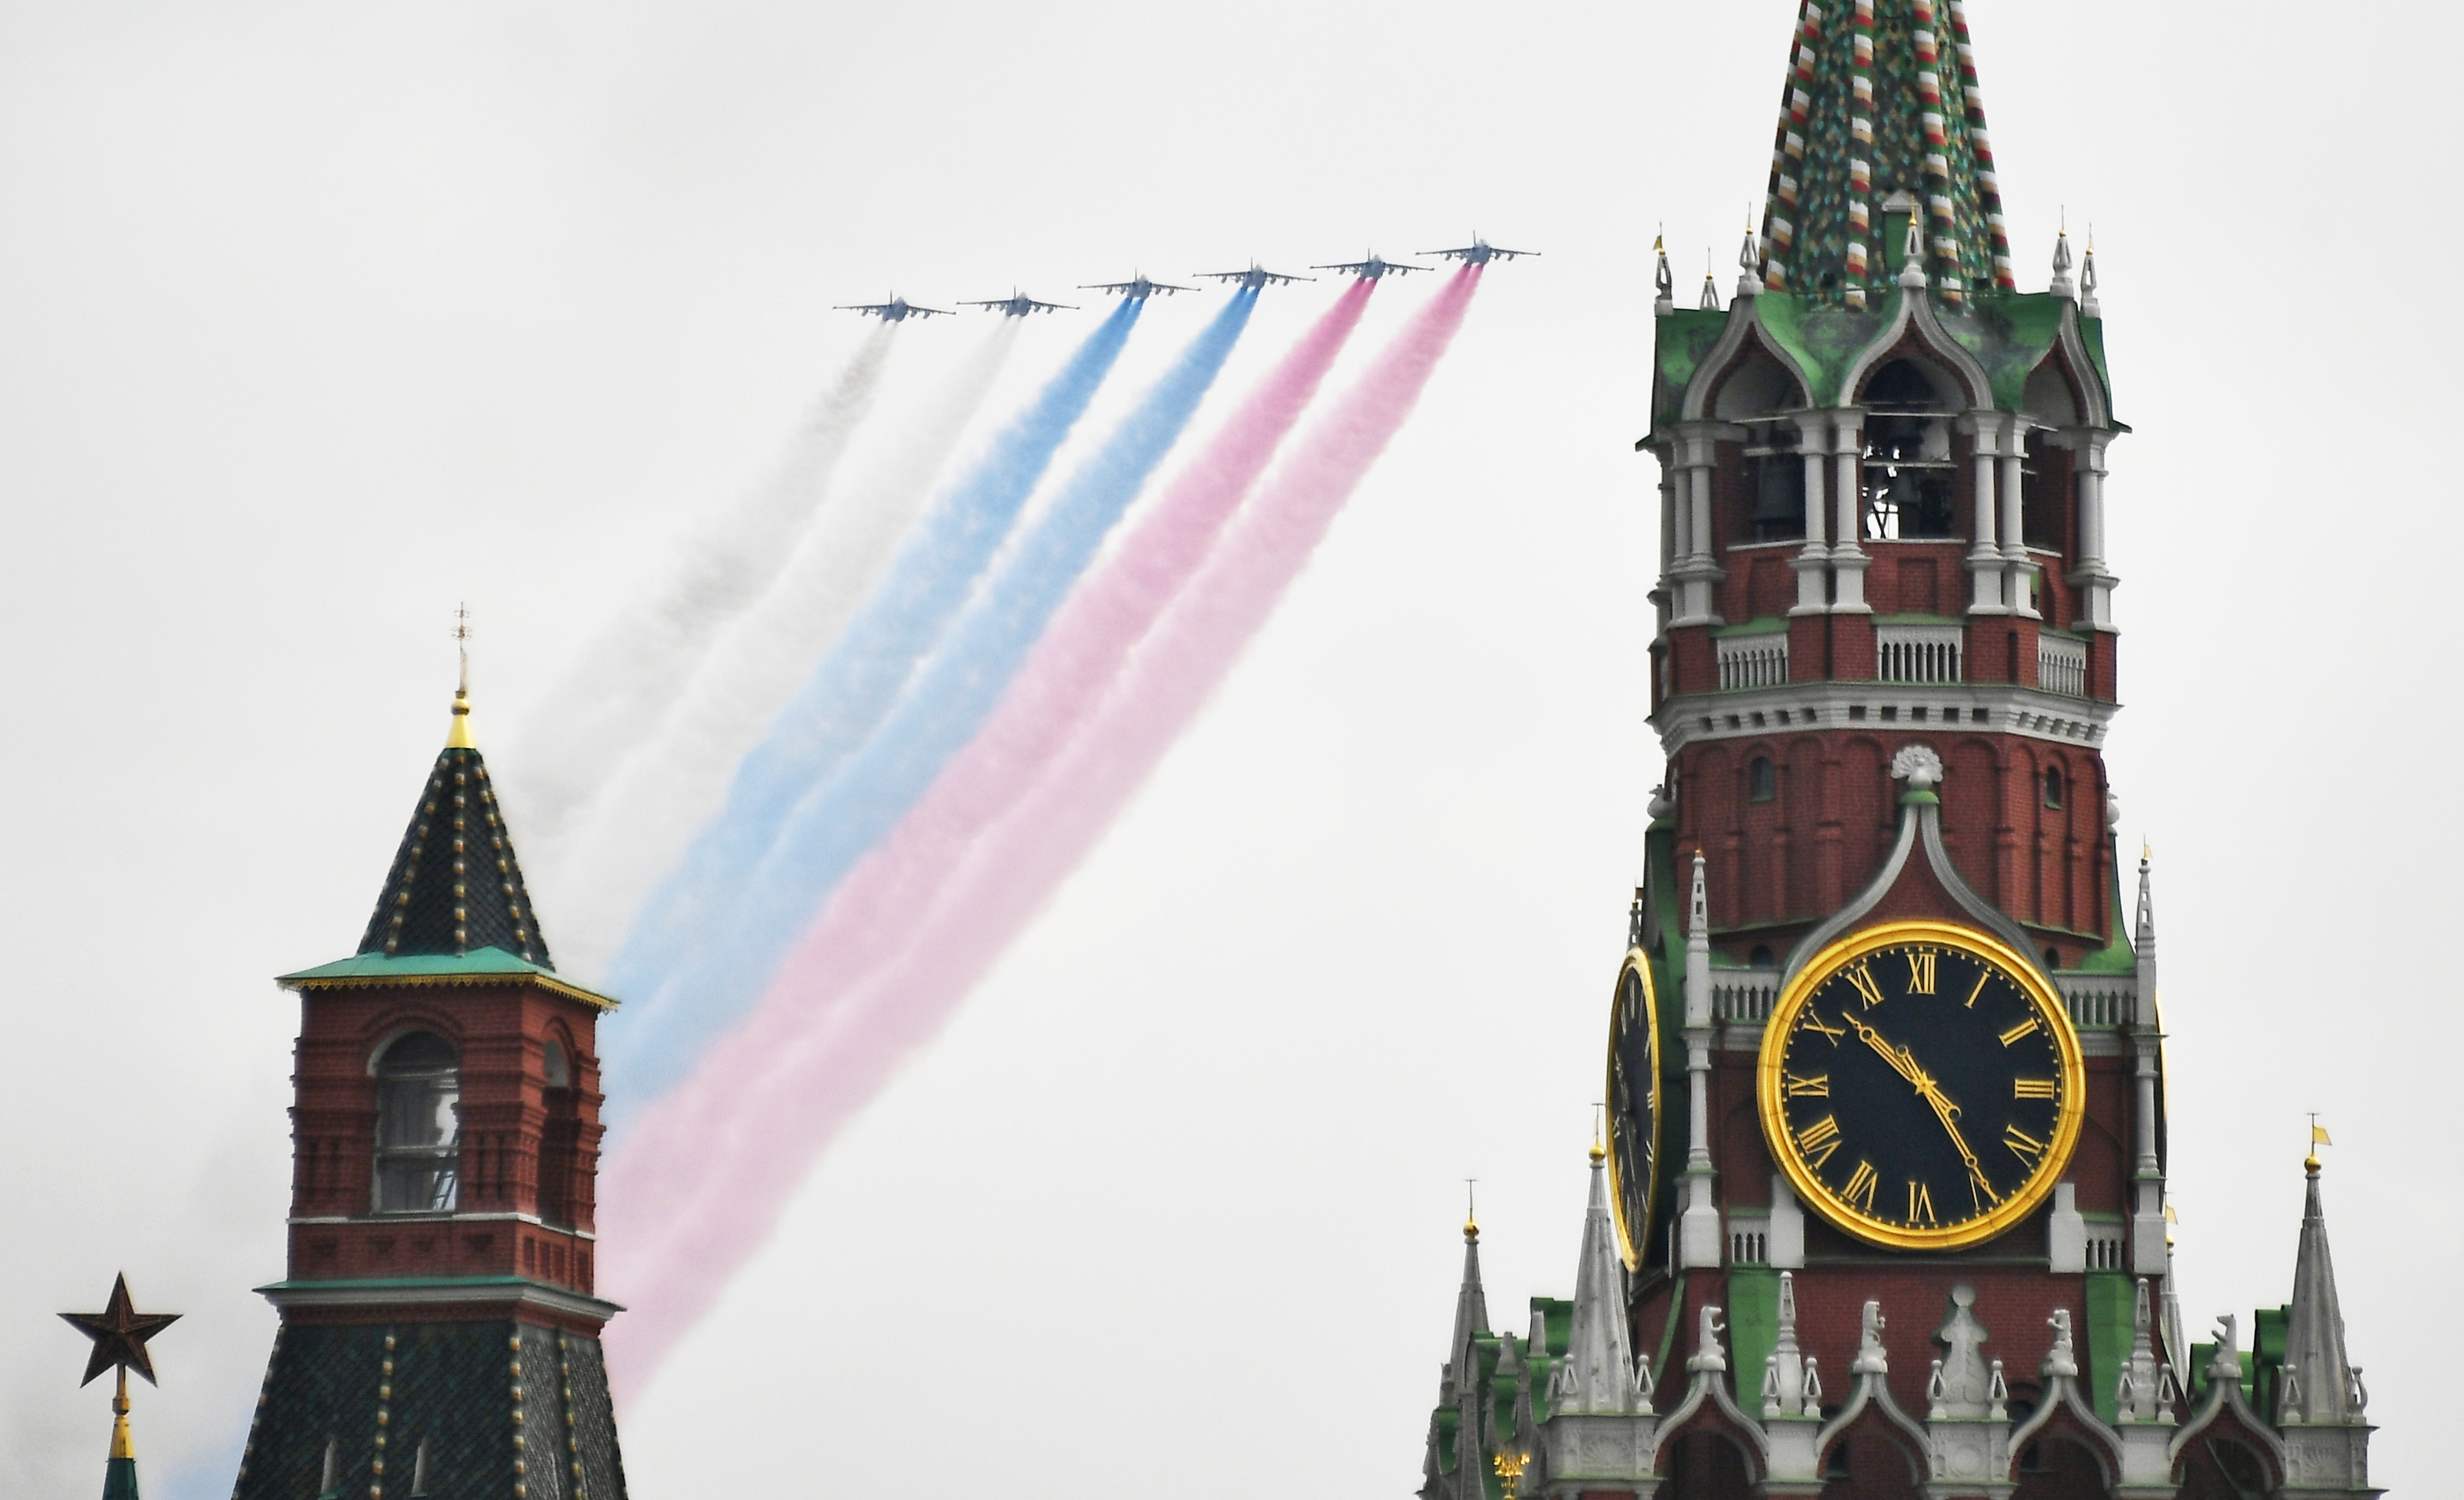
<point>846,698</point>
<point>845,813</point>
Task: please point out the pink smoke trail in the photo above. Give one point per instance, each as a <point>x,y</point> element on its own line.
<point>713,1164</point>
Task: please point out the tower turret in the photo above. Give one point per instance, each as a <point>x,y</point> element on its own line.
<point>437,1317</point>
<point>2320,1399</point>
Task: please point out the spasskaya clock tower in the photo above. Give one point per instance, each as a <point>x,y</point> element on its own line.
<point>1880,1208</point>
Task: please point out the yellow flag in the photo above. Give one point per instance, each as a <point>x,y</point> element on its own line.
<point>2319,1134</point>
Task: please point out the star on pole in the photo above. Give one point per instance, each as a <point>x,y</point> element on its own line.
<point>120,1333</point>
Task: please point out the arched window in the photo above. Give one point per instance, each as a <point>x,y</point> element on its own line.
<point>419,1147</point>
<point>2053,786</point>
<point>1762,782</point>
<point>1761,957</point>
<point>558,1066</point>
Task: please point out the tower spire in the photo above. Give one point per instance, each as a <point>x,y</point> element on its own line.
<point>1882,100</point>
<point>456,885</point>
<point>2319,1377</point>
<point>1598,1375</point>
<point>1472,1312</point>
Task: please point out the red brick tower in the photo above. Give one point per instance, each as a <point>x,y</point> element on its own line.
<point>1880,1203</point>
<point>439,1336</point>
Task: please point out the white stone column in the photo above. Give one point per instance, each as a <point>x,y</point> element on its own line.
<point>1848,559</point>
<point>2015,546</point>
<point>1698,1235</point>
<point>1985,554</point>
<point>2094,580</point>
<point>1813,559</point>
<point>1696,569</point>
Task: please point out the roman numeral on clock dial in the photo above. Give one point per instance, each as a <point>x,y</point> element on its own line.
<point>1819,1139</point>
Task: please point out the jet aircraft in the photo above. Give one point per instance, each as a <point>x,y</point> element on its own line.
<point>897,309</point>
<point>1479,252</point>
<point>1371,269</point>
<point>1018,304</point>
<point>1137,288</point>
<point>1254,279</point>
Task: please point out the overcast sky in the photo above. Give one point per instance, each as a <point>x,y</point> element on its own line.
<point>316,321</point>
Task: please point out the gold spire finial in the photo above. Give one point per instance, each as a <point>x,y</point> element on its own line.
<point>1471,1210</point>
<point>459,738</point>
<point>1599,1142</point>
<point>2318,1137</point>
<point>123,1446</point>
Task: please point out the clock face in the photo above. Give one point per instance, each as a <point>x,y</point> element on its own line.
<point>1634,1107</point>
<point>1922,1086</point>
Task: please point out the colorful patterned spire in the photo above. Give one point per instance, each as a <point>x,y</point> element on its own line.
<point>1873,128</point>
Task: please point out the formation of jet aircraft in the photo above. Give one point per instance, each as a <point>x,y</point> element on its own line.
<point>1140,286</point>
<point>1018,304</point>
<point>897,310</point>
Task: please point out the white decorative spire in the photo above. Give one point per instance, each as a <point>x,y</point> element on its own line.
<point>1471,1315</point>
<point>1596,1374</point>
<point>2140,1393</point>
<point>2320,1380</point>
<point>1750,264</point>
<point>2062,285</point>
<point>1964,1379</point>
<point>1662,279</point>
<point>1912,275</point>
<point>1784,1389</point>
<point>2088,306</point>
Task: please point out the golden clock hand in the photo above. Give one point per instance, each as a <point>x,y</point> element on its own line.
<point>1949,1114</point>
<point>1897,1057</point>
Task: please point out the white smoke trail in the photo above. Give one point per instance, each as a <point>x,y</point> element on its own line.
<point>673,779</point>
<point>631,676</point>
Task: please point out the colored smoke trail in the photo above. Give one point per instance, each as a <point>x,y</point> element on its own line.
<point>846,698</point>
<point>853,804</point>
<point>675,779</point>
<point>631,676</point>
<point>699,1186</point>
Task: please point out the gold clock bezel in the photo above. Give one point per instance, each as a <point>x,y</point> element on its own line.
<point>1809,1189</point>
<point>1637,963</point>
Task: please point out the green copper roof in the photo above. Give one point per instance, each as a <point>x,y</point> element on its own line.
<point>2008,334</point>
<point>477,967</point>
<point>1882,114</point>
<point>455,884</point>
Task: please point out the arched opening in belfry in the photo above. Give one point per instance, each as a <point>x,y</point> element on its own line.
<point>1910,476</point>
<point>419,1128</point>
<point>1761,396</point>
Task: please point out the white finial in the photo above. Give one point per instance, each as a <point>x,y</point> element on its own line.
<point>2088,306</point>
<point>1643,1381</point>
<point>1662,279</point>
<point>1813,1388</point>
<point>1749,262</point>
<point>1912,273</point>
<point>1710,288</point>
<point>2061,1362</point>
<point>2062,286</point>
<point>1997,1397</point>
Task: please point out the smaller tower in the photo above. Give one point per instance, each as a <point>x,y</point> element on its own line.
<point>2320,1395</point>
<point>439,1334</point>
